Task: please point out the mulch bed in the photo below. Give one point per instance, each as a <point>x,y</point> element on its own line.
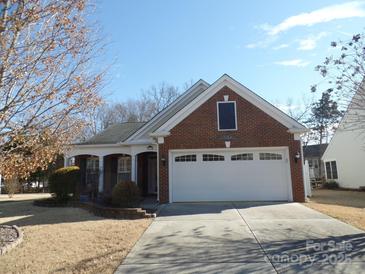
<point>10,236</point>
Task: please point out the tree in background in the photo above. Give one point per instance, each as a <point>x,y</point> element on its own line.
<point>151,102</point>
<point>300,110</point>
<point>344,73</point>
<point>324,118</point>
<point>46,48</point>
<point>158,98</point>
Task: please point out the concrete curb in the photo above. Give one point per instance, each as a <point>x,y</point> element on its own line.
<point>159,209</point>
<point>13,244</point>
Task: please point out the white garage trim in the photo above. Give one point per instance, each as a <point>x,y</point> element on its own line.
<point>283,150</point>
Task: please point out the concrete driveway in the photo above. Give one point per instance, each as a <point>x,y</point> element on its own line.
<point>246,238</point>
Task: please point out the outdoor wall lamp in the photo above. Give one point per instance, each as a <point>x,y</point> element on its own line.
<point>150,147</point>
<point>297,157</point>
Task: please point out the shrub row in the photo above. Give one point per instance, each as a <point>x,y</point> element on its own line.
<point>63,184</point>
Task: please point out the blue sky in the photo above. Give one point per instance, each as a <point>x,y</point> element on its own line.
<point>271,47</point>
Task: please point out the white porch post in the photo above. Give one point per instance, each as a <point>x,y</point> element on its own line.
<point>133,168</point>
<point>65,161</point>
<point>101,173</point>
<point>158,173</point>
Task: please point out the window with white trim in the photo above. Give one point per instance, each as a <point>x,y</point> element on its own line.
<point>331,170</point>
<point>186,158</point>
<point>92,165</point>
<point>212,157</point>
<point>270,156</point>
<point>242,157</point>
<point>227,118</point>
<point>92,170</point>
<point>124,168</point>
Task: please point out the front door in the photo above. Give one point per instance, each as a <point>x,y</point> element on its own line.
<point>152,174</point>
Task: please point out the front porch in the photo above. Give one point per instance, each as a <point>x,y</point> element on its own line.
<point>101,169</point>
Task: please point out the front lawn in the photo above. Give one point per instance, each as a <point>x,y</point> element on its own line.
<point>347,206</point>
<point>66,240</point>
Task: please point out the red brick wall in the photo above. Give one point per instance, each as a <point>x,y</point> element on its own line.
<point>255,129</point>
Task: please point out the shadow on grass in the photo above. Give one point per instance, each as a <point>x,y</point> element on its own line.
<point>92,264</point>
<point>24,213</point>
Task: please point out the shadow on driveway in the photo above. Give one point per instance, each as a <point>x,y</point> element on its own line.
<point>246,237</point>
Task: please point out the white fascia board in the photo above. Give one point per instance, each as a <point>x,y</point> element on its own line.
<point>144,129</point>
<point>247,94</point>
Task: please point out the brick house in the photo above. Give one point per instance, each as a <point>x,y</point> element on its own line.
<point>218,142</point>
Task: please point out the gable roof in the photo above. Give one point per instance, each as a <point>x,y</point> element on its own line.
<point>196,95</point>
<point>114,134</point>
<point>225,80</point>
<point>163,116</point>
<point>314,150</point>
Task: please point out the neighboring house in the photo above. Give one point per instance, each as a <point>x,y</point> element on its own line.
<point>344,157</point>
<point>313,154</point>
<point>218,142</point>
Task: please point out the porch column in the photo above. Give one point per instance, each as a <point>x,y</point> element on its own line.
<point>133,168</point>
<point>65,161</point>
<point>101,173</point>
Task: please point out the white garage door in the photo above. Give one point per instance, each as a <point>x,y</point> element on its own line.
<point>230,175</point>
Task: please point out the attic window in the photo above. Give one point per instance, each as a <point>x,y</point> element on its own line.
<point>227,116</point>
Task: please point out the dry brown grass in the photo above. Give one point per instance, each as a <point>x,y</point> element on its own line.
<point>347,206</point>
<point>66,240</point>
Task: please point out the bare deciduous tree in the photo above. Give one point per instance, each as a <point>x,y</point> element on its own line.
<point>142,109</point>
<point>157,98</point>
<point>344,74</point>
<point>45,80</point>
<point>300,110</point>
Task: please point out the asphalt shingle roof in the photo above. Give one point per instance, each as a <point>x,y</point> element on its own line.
<point>114,134</point>
<point>314,150</point>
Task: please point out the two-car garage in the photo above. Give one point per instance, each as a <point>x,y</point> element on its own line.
<point>246,174</point>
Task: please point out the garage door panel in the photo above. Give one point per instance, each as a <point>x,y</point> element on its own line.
<point>250,180</point>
